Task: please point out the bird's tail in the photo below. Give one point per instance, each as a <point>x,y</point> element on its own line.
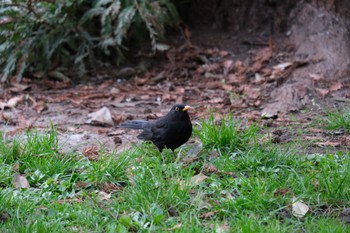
<point>134,124</point>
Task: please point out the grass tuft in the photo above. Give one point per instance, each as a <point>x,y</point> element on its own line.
<point>229,135</point>
<point>336,120</point>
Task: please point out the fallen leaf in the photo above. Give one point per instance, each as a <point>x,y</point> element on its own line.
<point>335,86</point>
<point>261,56</point>
<point>162,47</point>
<point>299,209</point>
<point>322,92</point>
<point>228,64</point>
<point>102,116</point>
<point>267,115</point>
<point>81,184</point>
<point>210,168</point>
<point>11,103</point>
<point>195,150</point>
<point>316,77</point>
<point>101,195</point>
<point>177,226</point>
<point>283,66</point>
<point>91,153</point>
<point>280,192</point>
<point>17,87</point>
<point>20,181</point>
<point>140,81</point>
<point>225,227</point>
<point>59,76</point>
<point>197,179</point>
<point>328,143</point>
<point>208,215</point>
<point>252,93</point>
<point>40,106</point>
<point>204,205</point>
<point>8,117</point>
<point>109,187</point>
<point>258,79</point>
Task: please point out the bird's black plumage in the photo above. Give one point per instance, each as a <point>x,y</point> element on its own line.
<point>169,131</point>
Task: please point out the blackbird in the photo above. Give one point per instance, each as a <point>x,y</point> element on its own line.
<point>169,131</point>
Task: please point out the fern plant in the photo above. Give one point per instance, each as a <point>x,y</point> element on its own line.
<point>44,34</point>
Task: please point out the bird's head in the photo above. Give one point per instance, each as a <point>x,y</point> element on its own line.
<point>180,109</point>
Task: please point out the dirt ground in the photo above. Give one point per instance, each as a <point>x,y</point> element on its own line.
<point>277,79</point>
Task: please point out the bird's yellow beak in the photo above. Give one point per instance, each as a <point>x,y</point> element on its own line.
<point>186,108</point>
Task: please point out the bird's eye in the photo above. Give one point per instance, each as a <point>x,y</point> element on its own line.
<point>176,108</point>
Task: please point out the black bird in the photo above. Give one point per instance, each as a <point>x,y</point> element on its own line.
<point>169,131</point>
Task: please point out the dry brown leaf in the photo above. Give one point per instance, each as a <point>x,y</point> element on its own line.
<point>23,121</point>
<point>179,99</point>
<point>17,87</point>
<point>40,106</point>
<point>210,168</point>
<point>11,103</point>
<point>328,143</point>
<point>280,192</point>
<point>225,227</point>
<point>109,187</point>
<point>197,179</point>
<point>335,86</point>
<point>261,56</point>
<point>20,181</point>
<point>223,53</point>
<point>216,100</point>
<point>316,77</point>
<point>316,183</point>
<point>204,205</point>
<point>177,226</point>
<point>227,87</point>
<point>81,184</point>
<point>7,117</point>
<point>315,130</point>
<point>102,195</point>
<point>208,215</point>
<point>55,84</point>
<point>252,93</point>
<point>140,81</point>
<point>228,65</point>
<point>235,79</point>
<point>240,68</point>
<point>91,153</point>
<point>67,200</point>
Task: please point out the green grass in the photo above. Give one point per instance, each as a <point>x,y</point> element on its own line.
<point>250,190</point>
<point>336,120</point>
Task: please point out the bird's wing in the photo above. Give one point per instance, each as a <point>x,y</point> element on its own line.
<point>146,134</point>
<point>159,128</point>
<point>134,124</point>
<point>161,123</point>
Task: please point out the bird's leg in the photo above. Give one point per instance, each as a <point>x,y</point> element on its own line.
<point>176,156</point>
